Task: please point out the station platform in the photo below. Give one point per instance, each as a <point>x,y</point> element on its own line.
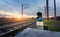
<point>32,32</point>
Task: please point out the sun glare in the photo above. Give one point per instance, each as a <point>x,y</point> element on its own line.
<point>15,15</point>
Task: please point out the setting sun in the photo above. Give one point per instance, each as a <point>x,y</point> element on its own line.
<point>15,15</point>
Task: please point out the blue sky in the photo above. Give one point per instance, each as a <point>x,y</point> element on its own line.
<point>33,6</point>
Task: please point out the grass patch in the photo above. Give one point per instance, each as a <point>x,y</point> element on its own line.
<point>52,25</point>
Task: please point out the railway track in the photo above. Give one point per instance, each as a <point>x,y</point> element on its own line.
<point>12,27</point>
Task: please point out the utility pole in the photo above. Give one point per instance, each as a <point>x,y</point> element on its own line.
<point>47,10</point>
<point>23,7</point>
<point>22,10</point>
<point>55,9</point>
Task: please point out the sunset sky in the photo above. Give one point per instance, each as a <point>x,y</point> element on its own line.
<point>31,7</point>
